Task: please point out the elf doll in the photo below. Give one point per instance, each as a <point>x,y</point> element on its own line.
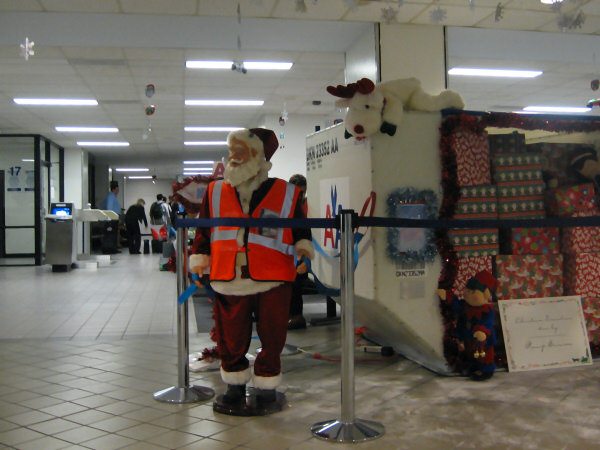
<point>475,324</point>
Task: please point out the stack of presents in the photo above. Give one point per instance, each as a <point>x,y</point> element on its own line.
<point>500,177</point>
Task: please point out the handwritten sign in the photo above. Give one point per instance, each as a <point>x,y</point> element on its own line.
<point>544,333</point>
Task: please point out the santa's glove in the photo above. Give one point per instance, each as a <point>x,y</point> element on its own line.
<point>197,265</point>
<point>302,268</point>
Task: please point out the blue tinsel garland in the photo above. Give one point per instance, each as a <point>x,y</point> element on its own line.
<point>407,196</point>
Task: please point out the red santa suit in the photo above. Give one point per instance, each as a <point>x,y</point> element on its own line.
<point>251,270</point>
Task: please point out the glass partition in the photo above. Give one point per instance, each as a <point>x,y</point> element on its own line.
<point>29,186</point>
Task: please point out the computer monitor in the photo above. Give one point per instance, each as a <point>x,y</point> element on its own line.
<point>61,209</point>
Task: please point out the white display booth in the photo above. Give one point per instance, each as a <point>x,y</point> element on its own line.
<point>398,304</point>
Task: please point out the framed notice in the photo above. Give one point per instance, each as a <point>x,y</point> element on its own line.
<point>544,333</point>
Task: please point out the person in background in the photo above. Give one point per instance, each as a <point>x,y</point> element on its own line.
<point>175,208</point>
<point>111,202</point>
<point>156,211</point>
<point>112,235</point>
<point>134,215</point>
<point>166,213</point>
<point>297,320</point>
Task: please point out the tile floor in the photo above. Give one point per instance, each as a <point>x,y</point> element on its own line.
<point>81,354</point>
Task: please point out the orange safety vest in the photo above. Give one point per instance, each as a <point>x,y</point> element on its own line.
<point>270,251</point>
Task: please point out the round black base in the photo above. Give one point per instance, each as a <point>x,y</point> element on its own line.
<point>250,407</point>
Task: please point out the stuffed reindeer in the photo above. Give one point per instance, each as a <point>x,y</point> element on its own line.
<point>373,108</point>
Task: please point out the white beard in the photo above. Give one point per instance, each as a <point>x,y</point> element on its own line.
<point>234,176</point>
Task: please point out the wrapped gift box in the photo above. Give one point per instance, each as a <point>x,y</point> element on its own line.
<point>582,274</point>
<point>581,239</point>
<point>474,242</point>
<point>530,191</point>
<point>467,268</point>
<point>507,143</point>
<point>509,168</point>
<point>591,312</point>
<point>528,276</point>
<point>522,209</point>
<point>477,202</point>
<point>534,241</point>
<point>569,199</point>
<point>472,157</point>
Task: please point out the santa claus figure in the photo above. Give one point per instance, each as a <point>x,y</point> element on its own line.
<point>475,324</point>
<point>251,269</point>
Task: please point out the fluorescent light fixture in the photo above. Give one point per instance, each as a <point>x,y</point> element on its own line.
<point>208,64</point>
<point>199,162</point>
<point>87,129</point>
<point>212,129</point>
<point>197,173</point>
<point>557,109</point>
<point>224,102</point>
<point>267,65</point>
<point>132,169</point>
<point>252,65</point>
<point>550,2</point>
<point>507,73</point>
<point>55,101</point>
<point>205,143</point>
<point>28,160</point>
<point>194,169</point>
<point>102,144</point>
<point>140,177</point>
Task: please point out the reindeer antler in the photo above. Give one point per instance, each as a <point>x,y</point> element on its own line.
<point>362,86</point>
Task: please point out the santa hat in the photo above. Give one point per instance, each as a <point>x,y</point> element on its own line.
<point>258,139</point>
<point>481,281</point>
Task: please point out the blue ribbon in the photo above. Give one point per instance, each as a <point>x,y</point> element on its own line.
<point>193,288</point>
<point>323,290</point>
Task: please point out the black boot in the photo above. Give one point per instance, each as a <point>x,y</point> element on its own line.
<point>266,396</point>
<point>236,393</point>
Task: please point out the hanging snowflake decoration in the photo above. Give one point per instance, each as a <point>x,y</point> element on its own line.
<point>352,5</point>
<point>438,15</point>
<point>389,15</point>
<point>571,21</point>
<point>472,5</point>
<point>27,49</point>
<point>499,13</point>
<point>300,6</point>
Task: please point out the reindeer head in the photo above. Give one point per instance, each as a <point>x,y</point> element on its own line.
<point>365,107</point>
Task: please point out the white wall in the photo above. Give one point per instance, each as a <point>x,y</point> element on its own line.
<point>362,58</point>
<point>413,51</point>
<point>290,158</point>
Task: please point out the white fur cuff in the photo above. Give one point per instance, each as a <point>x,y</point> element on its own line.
<point>237,378</point>
<point>199,260</point>
<point>306,245</point>
<point>266,382</point>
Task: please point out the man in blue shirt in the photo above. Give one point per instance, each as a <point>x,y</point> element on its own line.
<point>112,236</point>
<point>111,202</point>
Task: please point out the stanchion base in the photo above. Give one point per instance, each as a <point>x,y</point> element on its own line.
<point>192,394</point>
<point>357,431</point>
<point>250,407</point>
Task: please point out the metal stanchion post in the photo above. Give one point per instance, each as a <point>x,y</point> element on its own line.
<point>183,392</point>
<point>348,429</point>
